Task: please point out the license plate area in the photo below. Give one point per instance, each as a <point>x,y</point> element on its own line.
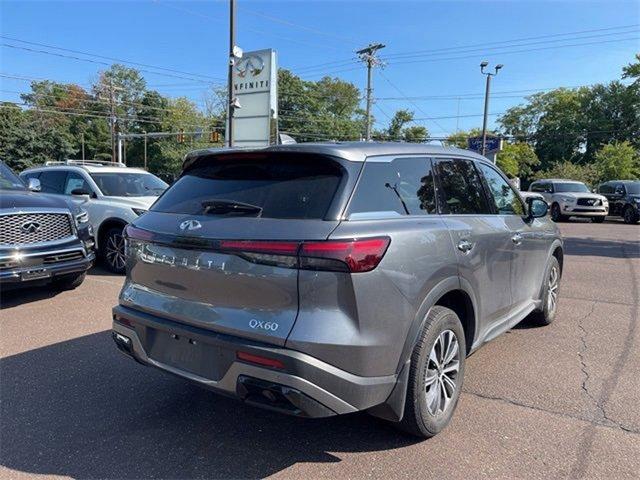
<point>185,353</point>
<point>35,274</point>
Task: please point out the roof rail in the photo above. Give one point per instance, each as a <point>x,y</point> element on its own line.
<point>93,163</point>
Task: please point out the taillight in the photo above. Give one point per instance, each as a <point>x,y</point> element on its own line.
<point>135,233</point>
<point>360,255</point>
<point>261,246</point>
<point>354,256</point>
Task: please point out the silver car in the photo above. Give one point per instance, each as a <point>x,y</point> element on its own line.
<point>570,198</point>
<point>113,195</point>
<point>324,279</point>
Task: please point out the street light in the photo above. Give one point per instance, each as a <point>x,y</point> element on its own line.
<point>484,65</point>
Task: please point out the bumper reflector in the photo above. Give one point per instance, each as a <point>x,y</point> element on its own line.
<point>259,360</point>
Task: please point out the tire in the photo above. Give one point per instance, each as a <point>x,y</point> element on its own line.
<point>425,413</point>
<point>556,215</point>
<point>550,289</point>
<point>112,250</point>
<point>629,216</point>
<point>69,282</point>
<point>598,219</point>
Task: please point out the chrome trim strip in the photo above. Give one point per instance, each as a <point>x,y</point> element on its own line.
<point>46,253</point>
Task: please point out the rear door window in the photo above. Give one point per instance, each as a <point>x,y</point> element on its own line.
<point>75,181</point>
<point>301,187</point>
<point>52,181</point>
<point>462,189</point>
<point>402,186</point>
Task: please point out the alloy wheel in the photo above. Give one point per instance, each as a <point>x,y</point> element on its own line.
<point>552,290</point>
<point>441,376</point>
<point>115,251</point>
<point>628,215</point>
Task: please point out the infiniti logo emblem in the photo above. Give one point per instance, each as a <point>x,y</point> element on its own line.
<point>251,64</point>
<point>30,227</point>
<point>190,225</point>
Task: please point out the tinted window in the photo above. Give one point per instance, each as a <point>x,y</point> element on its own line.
<point>541,187</point>
<point>461,187</point>
<point>606,189</point>
<point>52,181</point>
<point>505,199</point>
<point>620,189</point>
<point>301,187</point>
<point>404,186</point>
<point>9,180</point>
<point>633,188</point>
<point>129,184</point>
<point>570,187</point>
<point>76,181</point>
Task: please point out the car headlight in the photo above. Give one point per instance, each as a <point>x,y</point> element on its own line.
<point>138,211</point>
<point>637,200</point>
<point>568,199</point>
<point>81,217</point>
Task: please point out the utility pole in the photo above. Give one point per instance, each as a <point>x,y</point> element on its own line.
<point>145,148</point>
<point>232,44</point>
<point>487,92</point>
<point>82,138</point>
<point>368,56</point>
<point>112,122</point>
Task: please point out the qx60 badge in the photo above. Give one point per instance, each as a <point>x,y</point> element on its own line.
<point>190,225</point>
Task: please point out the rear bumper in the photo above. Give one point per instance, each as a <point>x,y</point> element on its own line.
<point>302,386</point>
<point>27,267</point>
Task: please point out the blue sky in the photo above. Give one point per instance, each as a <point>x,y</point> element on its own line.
<point>452,37</point>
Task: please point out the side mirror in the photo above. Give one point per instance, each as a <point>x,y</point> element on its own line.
<point>34,185</point>
<point>81,192</point>
<point>537,208</point>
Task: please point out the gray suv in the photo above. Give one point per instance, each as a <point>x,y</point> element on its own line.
<point>324,279</point>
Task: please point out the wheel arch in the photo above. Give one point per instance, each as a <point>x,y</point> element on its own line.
<point>105,226</point>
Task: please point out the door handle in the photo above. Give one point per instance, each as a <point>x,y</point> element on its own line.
<point>465,246</point>
<point>516,238</point>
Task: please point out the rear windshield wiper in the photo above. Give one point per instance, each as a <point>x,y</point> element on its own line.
<point>221,207</point>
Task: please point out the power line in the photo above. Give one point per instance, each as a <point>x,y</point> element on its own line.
<point>98,62</point>
<point>14,39</point>
<point>522,39</point>
<point>297,25</point>
<point>248,29</point>
<point>395,87</point>
<point>511,52</point>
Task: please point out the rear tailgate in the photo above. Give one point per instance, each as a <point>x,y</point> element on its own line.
<point>179,269</point>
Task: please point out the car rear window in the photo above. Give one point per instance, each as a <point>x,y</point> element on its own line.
<point>301,187</point>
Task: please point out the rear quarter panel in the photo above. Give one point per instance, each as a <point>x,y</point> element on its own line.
<point>360,322</point>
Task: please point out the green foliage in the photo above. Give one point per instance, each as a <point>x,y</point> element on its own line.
<point>328,109</point>
<point>617,161</point>
<point>399,131</point>
<point>517,160</point>
<point>571,171</point>
<point>459,139</point>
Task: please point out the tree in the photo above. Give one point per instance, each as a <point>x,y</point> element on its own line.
<point>399,131</point>
<point>583,173</point>
<point>617,161</point>
<point>633,71</point>
<point>459,139</point>
<point>517,160</point>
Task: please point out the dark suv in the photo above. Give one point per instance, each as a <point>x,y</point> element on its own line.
<point>323,279</point>
<point>43,238</point>
<point>624,199</point>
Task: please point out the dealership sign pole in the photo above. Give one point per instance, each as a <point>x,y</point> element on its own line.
<point>232,61</point>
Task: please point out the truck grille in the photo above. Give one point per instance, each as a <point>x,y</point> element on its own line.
<point>589,202</point>
<point>29,228</point>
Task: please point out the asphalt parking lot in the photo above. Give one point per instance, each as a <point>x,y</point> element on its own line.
<point>561,401</point>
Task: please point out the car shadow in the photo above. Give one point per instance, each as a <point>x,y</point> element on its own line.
<point>581,246</point>
<point>83,410</point>
<point>13,297</point>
